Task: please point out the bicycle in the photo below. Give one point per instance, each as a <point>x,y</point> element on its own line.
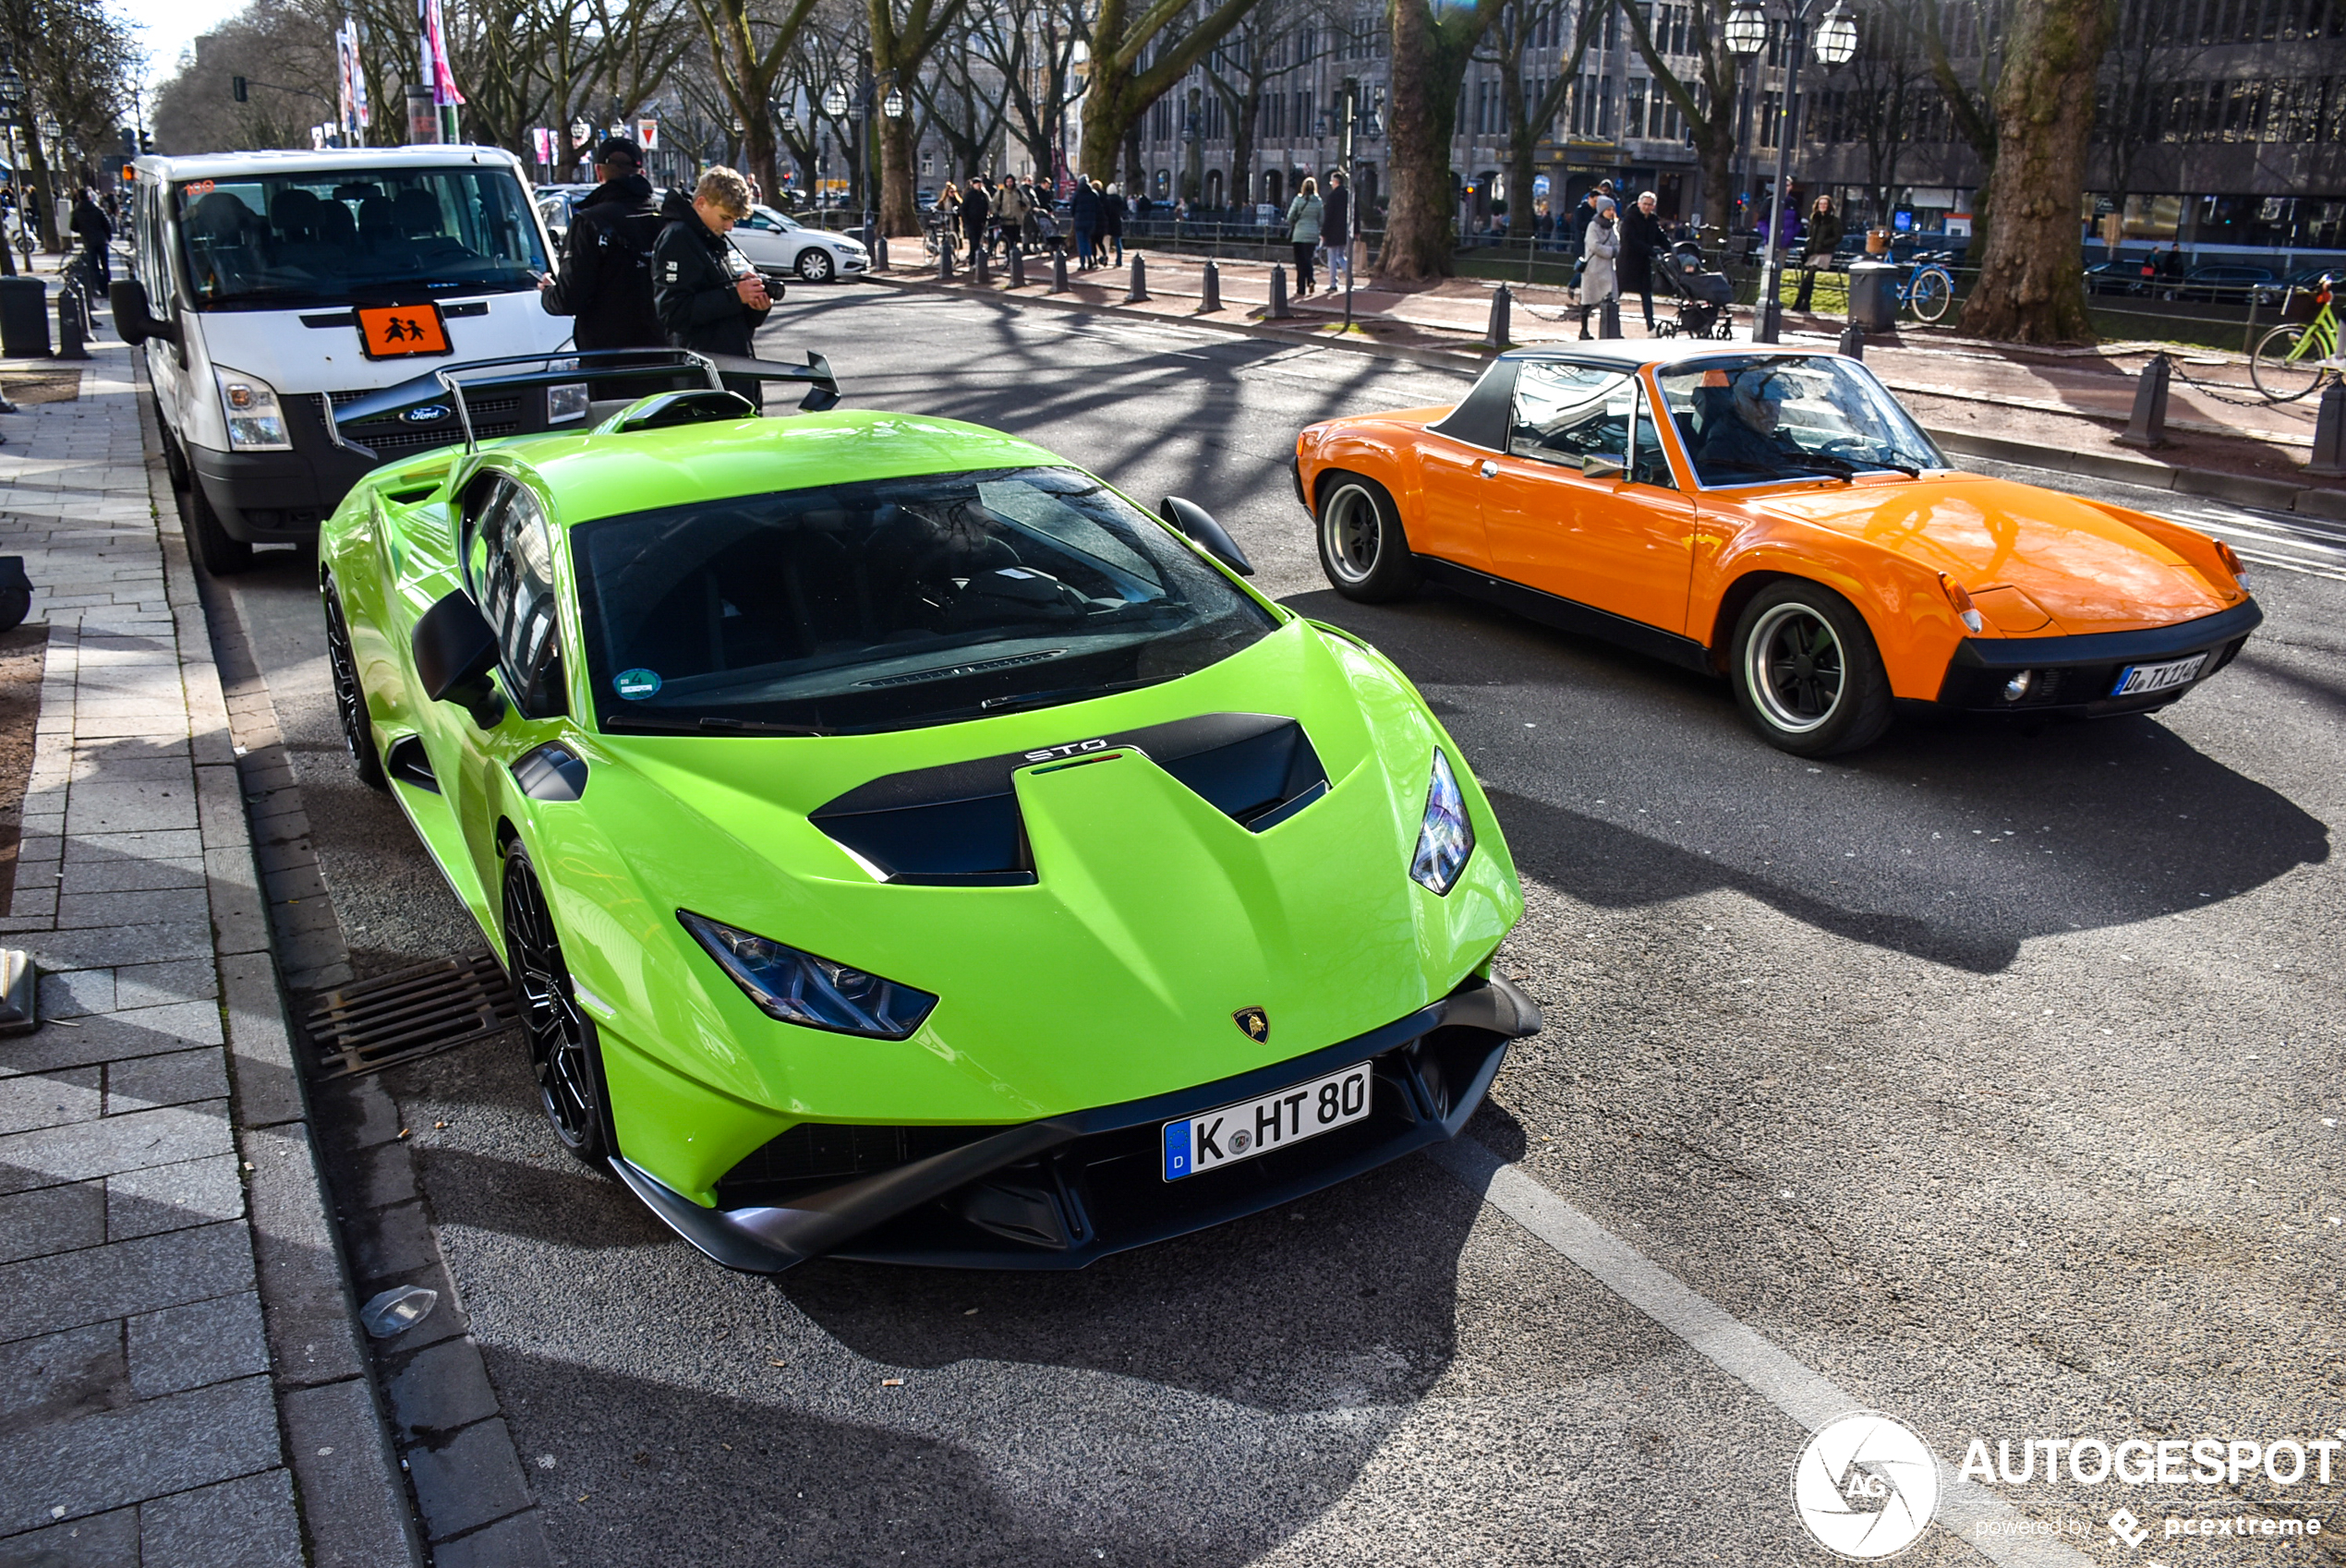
<point>2296,357</point>
<point>81,283</point>
<point>1927,291</point>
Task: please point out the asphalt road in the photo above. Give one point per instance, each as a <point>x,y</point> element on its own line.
<point>1991,1077</point>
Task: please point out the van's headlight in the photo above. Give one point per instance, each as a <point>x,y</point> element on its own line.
<point>1445,837</point>
<point>565,401</point>
<point>255,422</point>
<point>798,987</point>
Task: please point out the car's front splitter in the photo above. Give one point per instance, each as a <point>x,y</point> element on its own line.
<point>2075,675</point>
<point>1067,1190</point>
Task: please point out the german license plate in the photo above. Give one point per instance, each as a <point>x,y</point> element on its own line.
<point>1257,1127</point>
<point>2137,679</point>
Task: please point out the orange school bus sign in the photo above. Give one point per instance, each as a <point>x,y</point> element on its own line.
<point>395,331</point>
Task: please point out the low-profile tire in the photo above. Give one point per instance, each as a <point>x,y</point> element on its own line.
<point>1363,549</point>
<point>350,697</point>
<point>563,1048</point>
<point>814,265</point>
<point>208,538</point>
<point>1807,674</point>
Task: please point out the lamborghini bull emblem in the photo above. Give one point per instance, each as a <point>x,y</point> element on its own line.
<point>1255,1022</point>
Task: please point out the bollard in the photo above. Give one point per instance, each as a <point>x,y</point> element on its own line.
<point>1496,334</point>
<point>981,269</point>
<point>879,253</point>
<point>1853,342</point>
<point>1609,317</point>
<point>1278,311</point>
<point>945,260</point>
<point>2330,434</point>
<point>1018,268</point>
<point>70,334</point>
<point>2148,426</point>
<point>1139,290</point>
<point>1213,288</point>
<point>1058,271</point>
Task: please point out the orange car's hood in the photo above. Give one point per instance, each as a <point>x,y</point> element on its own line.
<point>2088,571</point>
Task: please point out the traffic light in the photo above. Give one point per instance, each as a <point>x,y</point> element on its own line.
<point>236,89</point>
<point>146,141</point>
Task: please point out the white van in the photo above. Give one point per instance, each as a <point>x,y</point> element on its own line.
<point>274,286</point>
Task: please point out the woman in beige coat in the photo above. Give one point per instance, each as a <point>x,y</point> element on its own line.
<point>1597,282</point>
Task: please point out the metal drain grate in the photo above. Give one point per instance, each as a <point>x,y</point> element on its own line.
<point>373,1024</point>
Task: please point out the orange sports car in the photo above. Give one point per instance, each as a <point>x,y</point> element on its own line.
<point>1772,515</point>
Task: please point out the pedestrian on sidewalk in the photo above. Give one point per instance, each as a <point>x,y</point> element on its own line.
<point>90,227</point>
<point>1642,241</point>
<point>1112,222</point>
<point>977,209</point>
<point>605,276</point>
<point>1303,227</point>
<point>1335,231</point>
<point>711,298</point>
<point>1085,210</point>
<point>1010,212</point>
<point>1816,251</point>
<point>1598,248</point>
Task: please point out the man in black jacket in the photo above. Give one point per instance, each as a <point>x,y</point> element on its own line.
<point>1642,240</point>
<point>96,234</point>
<point>977,214</point>
<point>709,297</point>
<point>605,278</point>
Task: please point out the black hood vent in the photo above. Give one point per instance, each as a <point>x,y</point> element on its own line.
<point>958,825</point>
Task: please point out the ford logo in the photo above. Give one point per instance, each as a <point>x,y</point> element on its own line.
<point>430,413</point>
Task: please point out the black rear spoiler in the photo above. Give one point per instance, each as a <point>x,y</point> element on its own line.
<point>453,383</point>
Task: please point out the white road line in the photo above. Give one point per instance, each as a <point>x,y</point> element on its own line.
<point>1740,1352</point>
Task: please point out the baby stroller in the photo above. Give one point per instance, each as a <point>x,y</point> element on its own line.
<point>1703,295</point>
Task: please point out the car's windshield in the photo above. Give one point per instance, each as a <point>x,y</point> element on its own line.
<point>1750,418</point>
<point>892,603</point>
<point>391,237</point>
<point>778,219</point>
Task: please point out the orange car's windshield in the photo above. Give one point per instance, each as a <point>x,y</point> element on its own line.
<point>1750,419</point>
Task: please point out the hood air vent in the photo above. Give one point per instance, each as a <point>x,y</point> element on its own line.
<point>958,825</point>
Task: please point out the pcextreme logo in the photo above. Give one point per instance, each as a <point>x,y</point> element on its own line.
<point>1865,1485</point>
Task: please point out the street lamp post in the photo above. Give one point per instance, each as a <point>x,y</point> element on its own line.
<point>1747,32</point>
<point>856,108</point>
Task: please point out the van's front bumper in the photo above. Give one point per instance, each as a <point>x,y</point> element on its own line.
<point>270,497</point>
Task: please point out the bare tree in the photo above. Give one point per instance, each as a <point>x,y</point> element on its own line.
<point>1430,49</point>
<point>1528,118</point>
<point>749,50</point>
<point>965,111</point>
<point>1707,104</point>
<point>1138,59</point>
<point>78,62</point>
<point>1266,49</point>
<point>901,42</point>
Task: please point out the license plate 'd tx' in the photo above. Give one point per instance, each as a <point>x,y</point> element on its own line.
<point>2137,679</point>
<point>1256,1127</point>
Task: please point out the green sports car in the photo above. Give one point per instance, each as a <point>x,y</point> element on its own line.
<point>902,845</point>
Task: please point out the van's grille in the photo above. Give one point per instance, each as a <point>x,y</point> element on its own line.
<point>396,435</point>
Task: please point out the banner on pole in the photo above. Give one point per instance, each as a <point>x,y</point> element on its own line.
<point>441,76</point>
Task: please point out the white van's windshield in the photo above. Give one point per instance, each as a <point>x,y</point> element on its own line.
<point>388,236</point>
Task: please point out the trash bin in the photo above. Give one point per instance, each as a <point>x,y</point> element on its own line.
<point>1873,295</point>
<point>24,318</point>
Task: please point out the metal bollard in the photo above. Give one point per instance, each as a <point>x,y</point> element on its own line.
<point>879,253</point>
<point>1498,333</point>
<point>70,336</point>
<point>944,259</point>
<point>1278,311</point>
<point>1213,288</point>
<point>1609,317</point>
<point>2148,426</point>
<point>1853,341</point>
<point>1018,268</point>
<point>1058,271</point>
<point>981,270</point>
<point>1139,290</point>
<point>2330,434</point>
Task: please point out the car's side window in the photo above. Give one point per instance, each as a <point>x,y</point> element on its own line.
<point>1566,414</point>
<point>513,582</point>
<point>1649,464</point>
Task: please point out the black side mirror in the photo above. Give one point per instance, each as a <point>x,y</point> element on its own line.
<point>1199,524</point>
<point>134,317</point>
<point>455,654</point>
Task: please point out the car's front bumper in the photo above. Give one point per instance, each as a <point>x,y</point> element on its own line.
<point>2075,675</point>
<point>1067,1190</point>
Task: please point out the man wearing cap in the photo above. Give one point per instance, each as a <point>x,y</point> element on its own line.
<point>605,278</point>
<point>1742,430</point>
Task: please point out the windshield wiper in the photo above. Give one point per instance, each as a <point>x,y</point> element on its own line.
<point>708,725</point>
<point>993,705</point>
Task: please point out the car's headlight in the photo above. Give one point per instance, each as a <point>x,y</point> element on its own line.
<point>1446,839</point>
<point>255,422</point>
<point>798,987</point>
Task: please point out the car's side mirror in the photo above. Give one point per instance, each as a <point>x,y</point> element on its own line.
<point>134,316</point>
<point>1602,466</point>
<point>455,655</point>
<point>1199,524</point>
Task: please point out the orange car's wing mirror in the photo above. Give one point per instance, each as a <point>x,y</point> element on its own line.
<point>1602,466</point>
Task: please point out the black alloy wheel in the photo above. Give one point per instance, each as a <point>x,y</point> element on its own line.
<point>350,698</point>
<point>562,1042</point>
<point>1807,674</point>
<point>1363,549</point>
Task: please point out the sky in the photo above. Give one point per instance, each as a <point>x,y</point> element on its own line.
<point>167,27</point>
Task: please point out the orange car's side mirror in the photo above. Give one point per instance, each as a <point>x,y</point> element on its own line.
<point>1602,466</point>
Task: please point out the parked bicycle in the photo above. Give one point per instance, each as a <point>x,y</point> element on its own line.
<point>2297,356</point>
<point>1928,290</point>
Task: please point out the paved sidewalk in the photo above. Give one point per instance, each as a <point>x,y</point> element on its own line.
<point>180,1381</point>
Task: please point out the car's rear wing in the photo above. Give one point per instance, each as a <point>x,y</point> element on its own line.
<point>570,381</point>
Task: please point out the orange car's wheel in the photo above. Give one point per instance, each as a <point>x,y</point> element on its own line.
<point>1806,672</point>
<point>1363,549</point>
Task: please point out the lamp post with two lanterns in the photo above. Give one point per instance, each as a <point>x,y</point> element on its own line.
<point>1747,32</point>
<point>841,103</point>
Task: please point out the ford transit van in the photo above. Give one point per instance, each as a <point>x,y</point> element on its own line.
<point>273,287</point>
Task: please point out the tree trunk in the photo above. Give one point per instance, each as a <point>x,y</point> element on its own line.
<point>1715,153</point>
<point>1428,64</point>
<point>2031,285</point>
<point>1521,138</point>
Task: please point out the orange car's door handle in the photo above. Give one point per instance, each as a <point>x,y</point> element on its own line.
<point>1490,469</point>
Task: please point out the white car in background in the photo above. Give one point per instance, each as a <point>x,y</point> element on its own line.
<point>776,242</point>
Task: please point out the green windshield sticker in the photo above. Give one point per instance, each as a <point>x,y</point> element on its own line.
<point>636,684</point>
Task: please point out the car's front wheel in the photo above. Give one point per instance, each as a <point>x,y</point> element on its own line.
<point>1364,548</point>
<point>1807,674</point>
<point>208,538</point>
<point>563,1048</point>
<point>815,264</point>
<point>350,697</point>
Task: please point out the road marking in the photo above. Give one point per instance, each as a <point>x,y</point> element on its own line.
<point>1742,1353</point>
